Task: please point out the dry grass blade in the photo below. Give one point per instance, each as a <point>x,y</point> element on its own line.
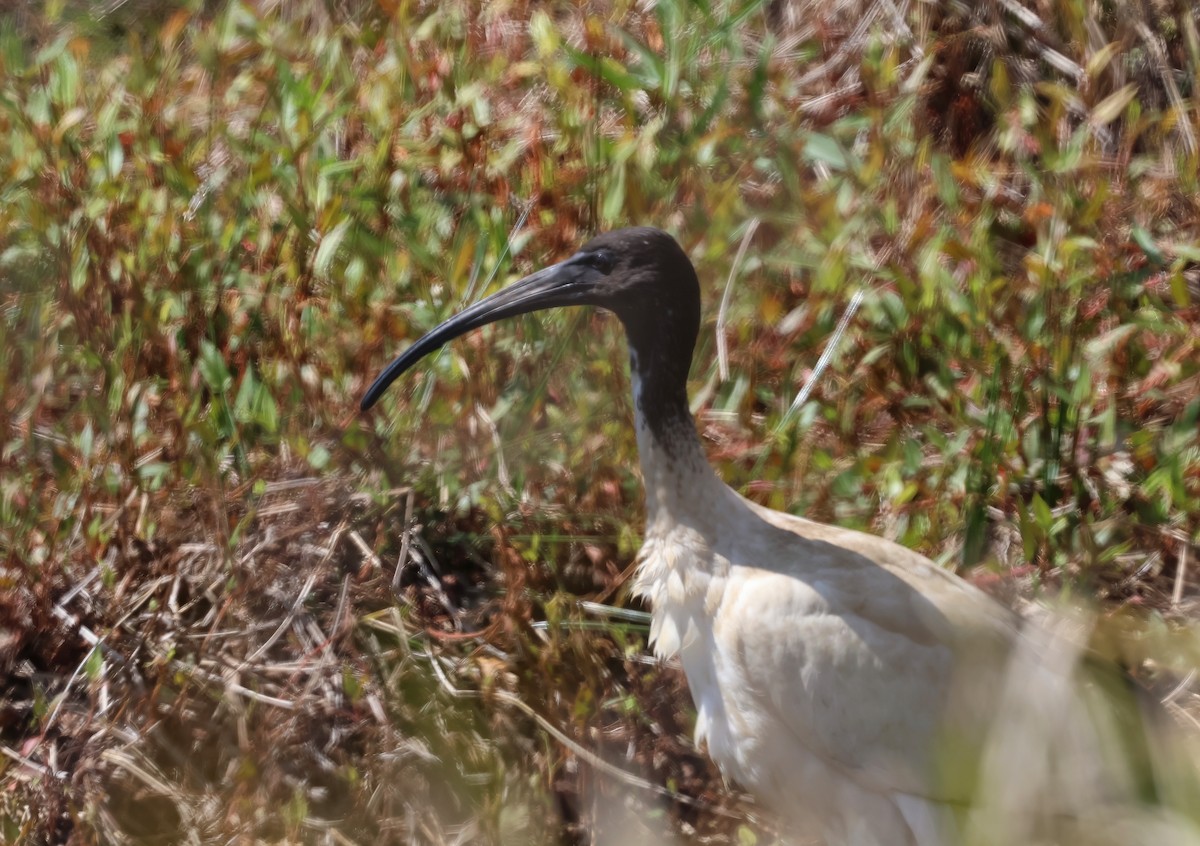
<point>723,311</point>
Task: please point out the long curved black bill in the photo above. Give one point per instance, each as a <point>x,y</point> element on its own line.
<point>568,283</point>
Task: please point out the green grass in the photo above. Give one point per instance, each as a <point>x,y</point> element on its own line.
<point>218,221</point>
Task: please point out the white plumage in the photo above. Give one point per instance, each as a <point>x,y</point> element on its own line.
<point>866,696</point>
<point>844,680</point>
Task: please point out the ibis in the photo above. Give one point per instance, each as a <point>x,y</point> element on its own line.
<point>860,692</point>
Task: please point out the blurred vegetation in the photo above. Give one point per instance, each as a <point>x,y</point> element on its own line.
<point>218,220</point>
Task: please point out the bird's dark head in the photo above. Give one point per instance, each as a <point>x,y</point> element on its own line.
<point>641,274</point>
<point>637,269</point>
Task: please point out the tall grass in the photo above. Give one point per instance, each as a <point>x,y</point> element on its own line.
<point>218,220</point>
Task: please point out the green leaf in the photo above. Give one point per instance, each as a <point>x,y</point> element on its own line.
<point>319,457</point>
<point>605,68</point>
<point>254,404</point>
<point>352,686</point>
<point>1042,513</point>
<point>1146,241</point>
<point>1179,290</point>
<point>327,250</point>
<point>213,368</point>
<point>94,665</point>
<point>614,197</point>
<point>824,149</point>
<point>650,67</point>
<point>79,268</point>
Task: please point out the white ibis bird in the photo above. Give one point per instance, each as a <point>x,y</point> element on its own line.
<point>850,684</point>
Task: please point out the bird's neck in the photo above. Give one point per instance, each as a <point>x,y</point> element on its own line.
<point>688,509</point>
<point>676,474</point>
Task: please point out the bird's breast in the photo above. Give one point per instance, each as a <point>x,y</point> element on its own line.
<point>685,585</point>
<point>677,580</point>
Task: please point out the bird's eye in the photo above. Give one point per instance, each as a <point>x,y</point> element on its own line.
<point>602,260</point>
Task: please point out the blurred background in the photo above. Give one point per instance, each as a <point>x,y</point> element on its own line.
<point>233,609</point>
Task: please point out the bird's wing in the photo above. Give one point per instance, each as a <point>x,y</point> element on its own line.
<point>936,603</point>
<point>877,641</point>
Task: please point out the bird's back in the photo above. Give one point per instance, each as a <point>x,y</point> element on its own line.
<point>861,690</point>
